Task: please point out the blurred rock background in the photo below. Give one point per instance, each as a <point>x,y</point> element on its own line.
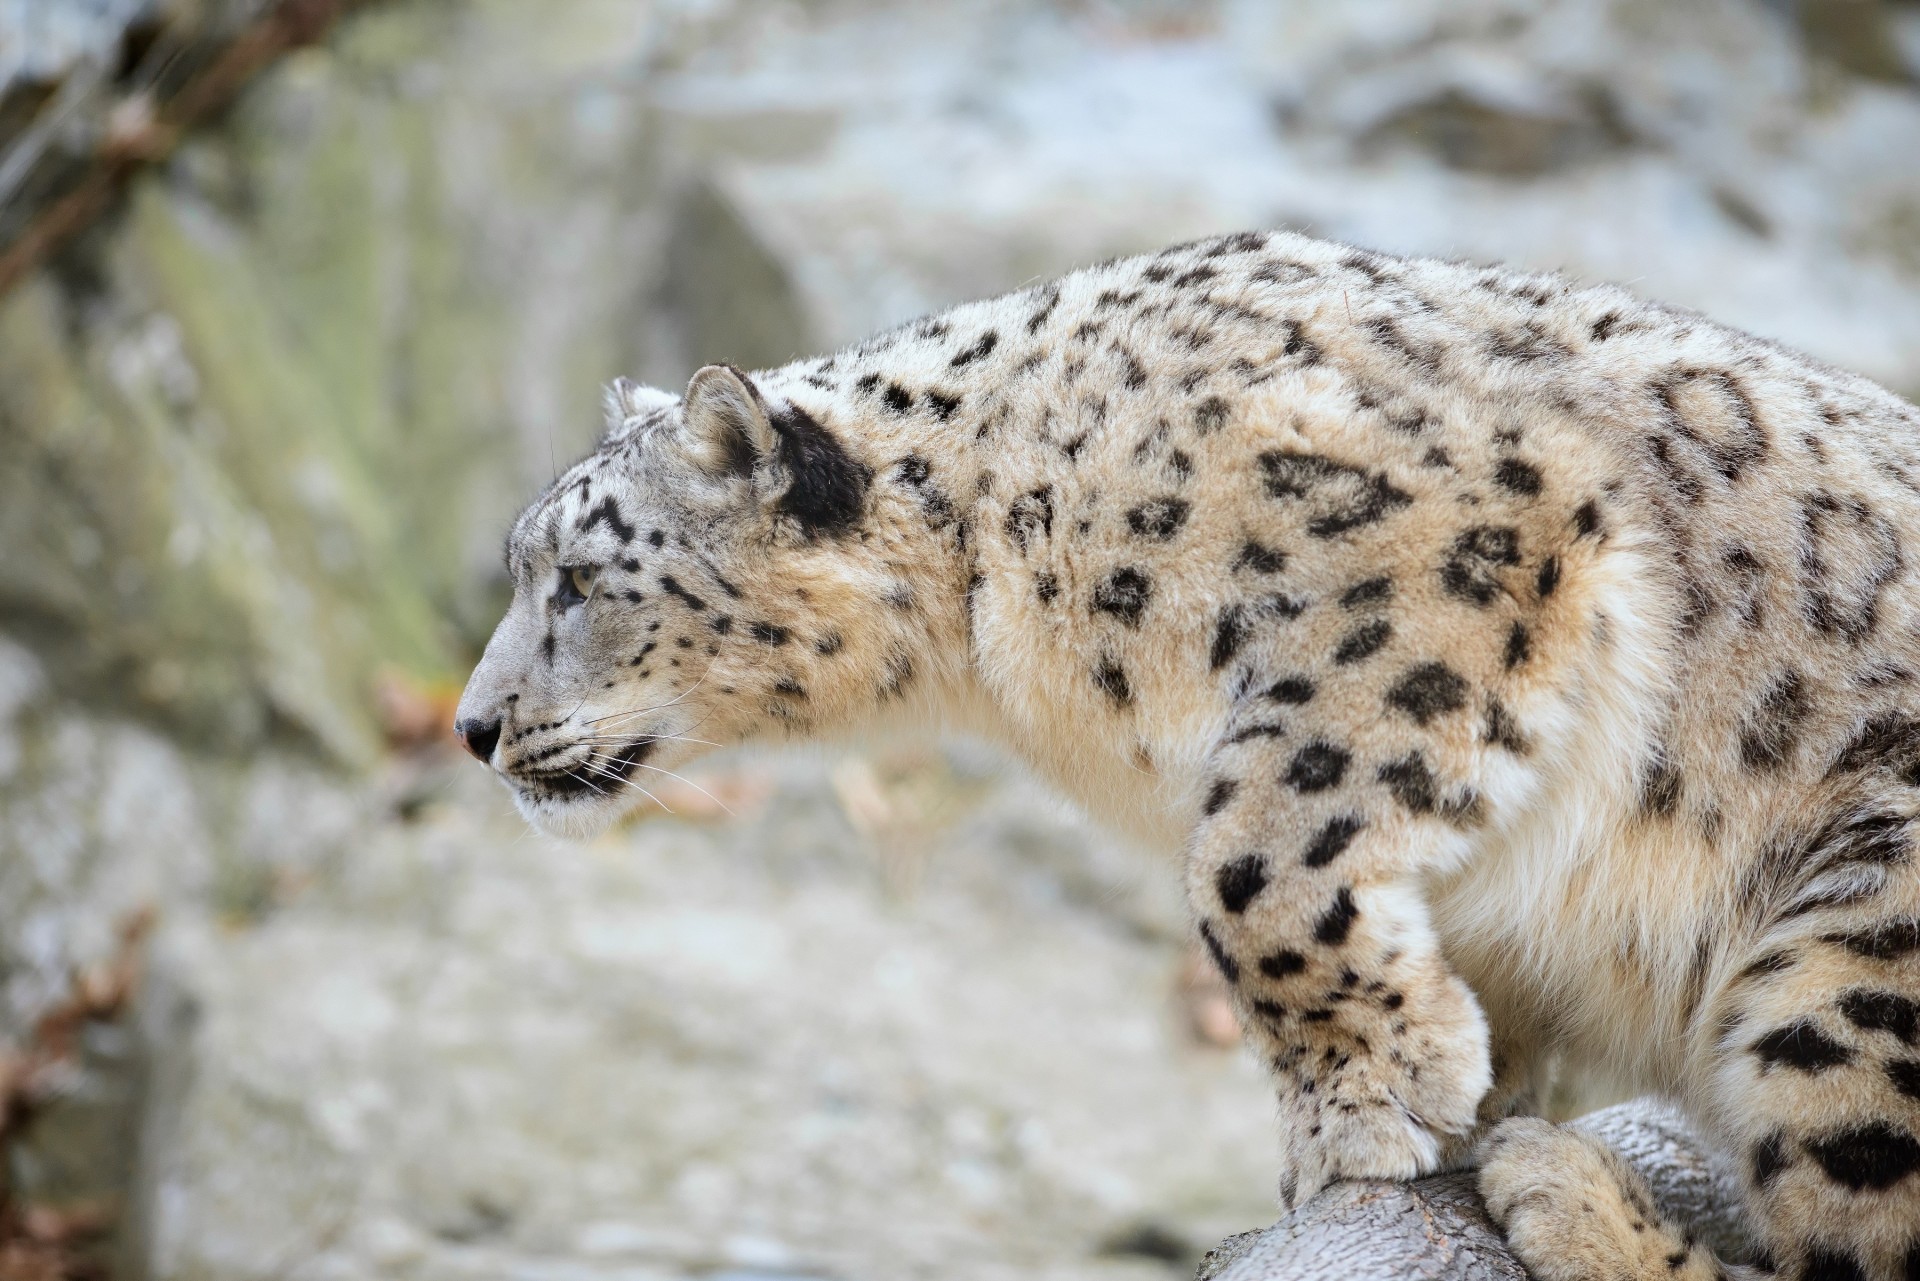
<point>285,991</point>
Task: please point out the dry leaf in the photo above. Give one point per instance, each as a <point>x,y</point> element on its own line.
<point>413,713</point>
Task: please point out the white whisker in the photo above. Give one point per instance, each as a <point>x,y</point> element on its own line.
<point>690,783</point>
<point>641,711</point>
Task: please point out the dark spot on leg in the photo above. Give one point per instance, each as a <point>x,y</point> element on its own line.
<point>1881,1011</point>
<point>1412,783</point>
<point>1290,689</point>
<point>1222,959</point>
<point>1887,941</point>
<point>1660,785</point>
<point>1124,594</point>
<point>1801,1045</point>
<point>1281,605</point>
<point>769,633</point>
<point>1772,729</point>
<point>1282,964</point>
<point>1332,840</point>
<point>1159,519</point>
<point>1521,478</point>
<point>1112,680</point>
<point>897,398</point>
<point>1046,587</point>
<point>1519,646</point>
<point>1336,923</point>
<point>1428,690</point>
<point>1363,641</point>
<point>1876,1155</point>
<point>1218,795</point>
<point>1503,730</point>
<point>1370,592</point>
<point>1549,578</point>
<point>1261,560</point>
<point>1240,882</point>
<point>1468,571</point>
<point>1229,633</point>
<point>1905,1076</point>
<point>1317,767</point>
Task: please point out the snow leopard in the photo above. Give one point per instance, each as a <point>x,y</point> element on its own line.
<point>1519,673</point>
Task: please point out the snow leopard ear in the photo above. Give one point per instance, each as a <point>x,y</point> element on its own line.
<point>627,401</point>
<point>726,430</point>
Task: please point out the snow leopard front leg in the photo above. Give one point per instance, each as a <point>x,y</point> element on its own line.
<point>1303,872</point>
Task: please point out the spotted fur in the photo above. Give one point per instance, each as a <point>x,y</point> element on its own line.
<point>1523,672</point>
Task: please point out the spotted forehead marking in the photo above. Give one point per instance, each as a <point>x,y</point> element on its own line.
<point>540,524</point>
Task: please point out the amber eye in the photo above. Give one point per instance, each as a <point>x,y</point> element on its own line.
<point>576,584</point>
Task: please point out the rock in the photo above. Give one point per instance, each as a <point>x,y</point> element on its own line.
<point>693,1048</point>
<point>732,298</point>
<point>1438,1228</point>
<point>1858,35</point>
<point>1466,132</point>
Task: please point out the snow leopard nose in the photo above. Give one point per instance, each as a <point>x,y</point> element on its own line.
<point>479,737</point>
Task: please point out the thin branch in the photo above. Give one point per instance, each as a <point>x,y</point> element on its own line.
<point>141,133</point>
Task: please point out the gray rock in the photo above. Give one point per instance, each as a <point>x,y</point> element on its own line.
<point>1437,1227</point>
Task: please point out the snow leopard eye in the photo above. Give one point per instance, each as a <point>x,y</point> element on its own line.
<point>576,584</point>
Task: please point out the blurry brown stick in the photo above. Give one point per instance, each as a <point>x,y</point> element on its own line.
<point>38,1243</point>
<point>143,133</point>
